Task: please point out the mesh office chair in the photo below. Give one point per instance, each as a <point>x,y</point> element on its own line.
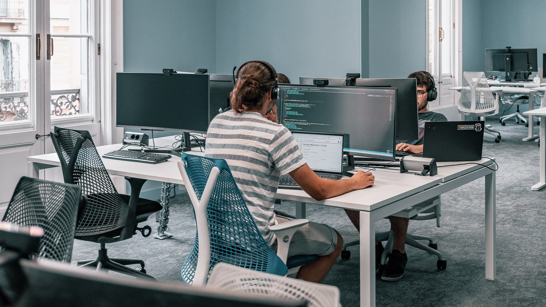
<point>226,231</point>
<point>107,216</point>
<point>239,280</point>
<point>50,205</point>
<point>477,99</point>
<point>427,210</point>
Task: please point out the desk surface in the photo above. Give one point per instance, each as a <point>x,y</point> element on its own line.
<point>536,112</point>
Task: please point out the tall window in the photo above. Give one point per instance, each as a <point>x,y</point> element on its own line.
<point>443,32</point>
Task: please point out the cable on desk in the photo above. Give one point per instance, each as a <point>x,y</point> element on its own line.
<point>493,169</point>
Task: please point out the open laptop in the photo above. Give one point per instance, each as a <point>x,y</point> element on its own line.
<point>454,141</point>
<point>322,151</point>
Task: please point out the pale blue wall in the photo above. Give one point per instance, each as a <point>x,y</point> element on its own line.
<point>473,48</point>
<point>397,37</point>
<point>179,34</point>
<point>365,38</point>
<point>299,38</point>
<point>519,24</point>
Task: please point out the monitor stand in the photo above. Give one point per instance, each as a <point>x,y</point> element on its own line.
<point>185,146</point>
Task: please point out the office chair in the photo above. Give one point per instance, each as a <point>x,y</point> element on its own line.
<point>477,99</point>
<point>427,210</point>
<point>50,205</point>
<point>107,216</point>
<point>45,283</point>
<point>226,231</point>
<point>240,280</point>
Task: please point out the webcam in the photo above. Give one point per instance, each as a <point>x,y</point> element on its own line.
<point>320,83</point>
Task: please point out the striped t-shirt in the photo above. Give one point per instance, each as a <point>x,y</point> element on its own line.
<point>257,151</point>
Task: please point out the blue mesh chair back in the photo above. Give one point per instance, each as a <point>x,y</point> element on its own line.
<point>234,236</point>
<point>50,205</point>
<point>82,165</point>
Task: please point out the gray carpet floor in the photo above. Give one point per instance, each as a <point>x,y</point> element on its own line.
<point>521,248</point>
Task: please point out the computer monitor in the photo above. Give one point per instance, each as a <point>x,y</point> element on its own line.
<point>157,101</point>
<point>406,106</point>
<point>220,88</point>
<point>365,114</point>
<point>544,65</point>
<point>516,63</point>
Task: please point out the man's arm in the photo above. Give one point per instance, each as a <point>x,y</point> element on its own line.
<point>409,148</point>
<point>320,188</point>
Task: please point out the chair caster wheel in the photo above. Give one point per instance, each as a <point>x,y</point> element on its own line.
<point>526,125</point>
<point>433,246</point>
<point>500,121</point>
<point>538,123</point>
<point>441,264</point>
<point>497,140</point>
<point>504,124</point>
<point>142,270</point>
<point>345,254</point>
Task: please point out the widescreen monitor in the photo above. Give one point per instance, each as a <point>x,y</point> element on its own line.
<point>516,63</point>
<point>157,101</point>
<point>365,114</point>
<point>544,65</point>
<point>406,107</point>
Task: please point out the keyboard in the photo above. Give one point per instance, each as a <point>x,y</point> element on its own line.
<point>288,181</point>
<point>137,156</point>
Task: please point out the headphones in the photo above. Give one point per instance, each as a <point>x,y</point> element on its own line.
<point>275,90</point>
<point>432,94</point>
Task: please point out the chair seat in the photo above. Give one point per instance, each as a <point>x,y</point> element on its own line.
<point>299,260</point>
<point>144,209</point>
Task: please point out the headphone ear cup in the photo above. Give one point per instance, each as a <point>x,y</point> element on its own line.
<point>275,92</point>
<point>432,94</point>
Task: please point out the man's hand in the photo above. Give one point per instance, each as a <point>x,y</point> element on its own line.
<point>363,180</point>
<point>272,115</point>
<point>409,148</point>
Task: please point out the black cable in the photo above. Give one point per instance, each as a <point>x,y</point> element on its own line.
<point>495,169</point>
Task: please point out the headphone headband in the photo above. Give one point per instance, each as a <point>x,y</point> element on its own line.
<point>274,92</point>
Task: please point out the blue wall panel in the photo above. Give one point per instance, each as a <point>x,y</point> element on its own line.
<point>397,37</point>
<point>299,38</point>
<point>473,48</point>
<point>179,34</point>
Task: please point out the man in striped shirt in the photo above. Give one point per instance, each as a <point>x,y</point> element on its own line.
<point>258,151</point>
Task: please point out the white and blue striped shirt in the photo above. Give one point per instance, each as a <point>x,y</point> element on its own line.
<point>257,151</point>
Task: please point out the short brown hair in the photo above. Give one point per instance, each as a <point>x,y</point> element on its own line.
<point>424,78</point>
<point>254,81</point>
<point>282,78</point>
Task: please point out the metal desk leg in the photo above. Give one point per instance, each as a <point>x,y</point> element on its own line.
<point>542,149</point>
<point>163,217</point>
<point>367,260</point>
<point>490,226</point>
<point>530,135</point>
<point>301,210</point>
<point>33,170</point>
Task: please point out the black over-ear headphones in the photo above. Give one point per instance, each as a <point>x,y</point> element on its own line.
<point>275,90</point>
<point>432,94</point>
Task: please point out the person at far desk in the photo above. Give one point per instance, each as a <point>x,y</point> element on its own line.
<point>258,151</point>
<point>394,270</point>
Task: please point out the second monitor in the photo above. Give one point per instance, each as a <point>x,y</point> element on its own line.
<point>366,114</point>
<point>406,105</point>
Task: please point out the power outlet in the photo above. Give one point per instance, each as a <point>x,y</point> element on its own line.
<point>135,138</point>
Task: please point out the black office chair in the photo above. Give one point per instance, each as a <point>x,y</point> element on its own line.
<point>50,205</point>
<point>107,216</point>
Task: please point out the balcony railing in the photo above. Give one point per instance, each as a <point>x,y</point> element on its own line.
<point>12,9</point>
<point>14,105</point>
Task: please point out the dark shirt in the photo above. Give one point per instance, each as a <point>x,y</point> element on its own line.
<point>425,117</point>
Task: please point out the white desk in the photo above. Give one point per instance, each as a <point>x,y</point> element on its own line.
<point>167,173</point>
<point>391,193</point>
<point>394,192</point>
<point>541,113</point>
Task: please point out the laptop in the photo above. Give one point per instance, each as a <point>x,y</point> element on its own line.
<point>454,141</point>
<point>322,151</point>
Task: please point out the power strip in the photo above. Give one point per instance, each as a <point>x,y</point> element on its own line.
<point>135,138</point>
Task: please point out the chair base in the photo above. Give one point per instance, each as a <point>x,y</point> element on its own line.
<point>115,264</point>
<point>517,115</point>
<point>387,236</point>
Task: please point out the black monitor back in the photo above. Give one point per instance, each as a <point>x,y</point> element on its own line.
<point>521,60</point>
<point>220,88</point>
<point>406,104</point>
<point>164,102</point>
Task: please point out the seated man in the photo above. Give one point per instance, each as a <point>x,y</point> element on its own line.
<point>258,151</point>
<point>397,260</point>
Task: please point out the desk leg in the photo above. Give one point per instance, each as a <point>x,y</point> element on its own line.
<point>367,260</point>
<point>164,213</point>
<point>33,170</point>
<point>301,210</point>
<point>542,149</point>
<point>530,135</point>
<point>490,226</point>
